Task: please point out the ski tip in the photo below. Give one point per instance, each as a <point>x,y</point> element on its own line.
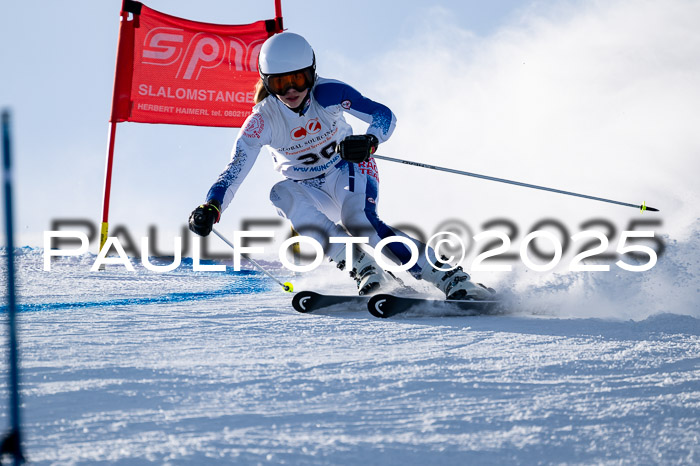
<point>303,301</point>
<point>288,287</point>
<point>376,305</point>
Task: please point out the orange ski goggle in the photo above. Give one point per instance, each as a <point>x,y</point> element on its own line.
<point>280,83</point>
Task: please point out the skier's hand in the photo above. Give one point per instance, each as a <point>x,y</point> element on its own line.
<point>203,218</point>
<point>358,148</point>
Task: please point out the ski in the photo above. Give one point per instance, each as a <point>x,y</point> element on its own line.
<point>310,301</point>
<point>386,305</point>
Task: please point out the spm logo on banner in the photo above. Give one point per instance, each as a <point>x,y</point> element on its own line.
<point>165,47</point>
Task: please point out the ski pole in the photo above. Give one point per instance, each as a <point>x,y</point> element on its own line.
<point>12,443</point>
<point>642,207</point>
<point>287,286</point>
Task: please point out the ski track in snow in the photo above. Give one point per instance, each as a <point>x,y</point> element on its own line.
<point>207,368</point>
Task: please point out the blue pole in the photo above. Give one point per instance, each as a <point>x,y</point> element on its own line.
<point>12,442</point>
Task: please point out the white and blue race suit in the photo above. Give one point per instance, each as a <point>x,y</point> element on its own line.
<point>323,196</point>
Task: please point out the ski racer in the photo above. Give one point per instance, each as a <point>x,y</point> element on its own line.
<point>331,186</point>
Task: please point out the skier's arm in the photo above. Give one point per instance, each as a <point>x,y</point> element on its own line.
<point>340,96</point>
<point>245,150</point>
<point>253,135</point>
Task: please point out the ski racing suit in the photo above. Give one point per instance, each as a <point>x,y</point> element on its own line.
<point>323,196</point>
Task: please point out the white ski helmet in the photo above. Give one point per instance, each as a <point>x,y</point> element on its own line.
<point>287,54</point>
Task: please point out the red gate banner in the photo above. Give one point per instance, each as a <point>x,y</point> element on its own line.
<point>173,70</point>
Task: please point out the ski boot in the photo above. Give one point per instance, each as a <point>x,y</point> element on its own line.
<point>369,276</point>
<point>457,284</point>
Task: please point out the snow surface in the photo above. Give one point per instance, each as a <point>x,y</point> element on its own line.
<point>212,368</point>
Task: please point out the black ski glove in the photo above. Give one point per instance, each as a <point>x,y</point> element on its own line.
<point>203,218</point>
<point>358,148</point>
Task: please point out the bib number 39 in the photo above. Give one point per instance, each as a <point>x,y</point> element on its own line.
<point>313,158</point>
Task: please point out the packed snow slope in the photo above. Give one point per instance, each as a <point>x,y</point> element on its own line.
<point>213,368</point>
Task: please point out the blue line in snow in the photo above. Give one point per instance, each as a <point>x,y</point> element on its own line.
<point>233,289</point>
